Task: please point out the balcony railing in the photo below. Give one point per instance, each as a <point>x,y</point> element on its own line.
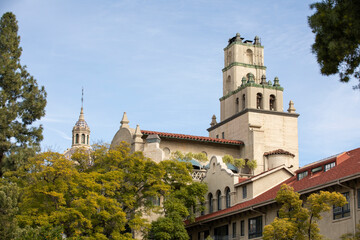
<point>198,175</point>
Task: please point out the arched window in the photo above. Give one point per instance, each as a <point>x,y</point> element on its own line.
<point>83,138</point>
<point>228,84</point>
<point>210,199</point>
<point>77,138</point>
<point>249,56</point>
<point>272,103</point>
<point>237,105</point>
<point>243,101</point>
<point>227,197</point>
<point>259,101</point>
<point>218,195</point>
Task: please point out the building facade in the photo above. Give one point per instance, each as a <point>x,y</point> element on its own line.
<point>253,126</point>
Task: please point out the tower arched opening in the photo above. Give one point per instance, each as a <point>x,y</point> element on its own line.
<point>249,56</point>
<point>259,101</point>
<point>272,103</point>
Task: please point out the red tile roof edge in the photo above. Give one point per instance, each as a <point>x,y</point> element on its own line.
<point>316,164</point>
<point>279,151</point>
<point>192,137</point>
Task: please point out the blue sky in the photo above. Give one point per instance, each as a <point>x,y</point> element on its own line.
<point>161,61</point>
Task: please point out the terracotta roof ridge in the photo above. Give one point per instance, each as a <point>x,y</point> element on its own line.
<point>279,151</point>
<point>193,137</point>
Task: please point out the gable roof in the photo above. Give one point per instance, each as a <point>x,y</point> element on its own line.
<point>347,168</point>
<point>193,138</point>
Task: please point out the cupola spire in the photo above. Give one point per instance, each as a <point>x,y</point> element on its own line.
<point>81,130</point>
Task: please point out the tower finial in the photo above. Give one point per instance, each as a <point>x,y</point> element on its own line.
<point>124,121</point>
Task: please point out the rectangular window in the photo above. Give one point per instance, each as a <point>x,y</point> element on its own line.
<point>223,135</point>
<point>255,227</point>
<point>154,200</point>
<point>317,169</point>
<point>344,211</point>
<point>221,233</point>
<point>234,230</point>
<point>244,191</point>
<point>242,228</point>
<point>329,166</point>
<point>302,175</point>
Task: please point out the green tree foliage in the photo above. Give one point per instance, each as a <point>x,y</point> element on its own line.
<point>298,221</point>
<point>46,232</point>
<point>21,100</point>
<point>182,201</point>
<point>336,25</point>
<point>171,226</point>
<point>9,197</point>
<point>252,164</point>
<point>188,156</point>
<point>237,162</point>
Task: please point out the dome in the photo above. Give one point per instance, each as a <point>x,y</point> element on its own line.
<point>81,123</point>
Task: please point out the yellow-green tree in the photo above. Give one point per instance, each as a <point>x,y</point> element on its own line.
<point>56,194</point>
<point>237,162</point>
<point>178,155</point>
<point>104,195</point>
<point>134,181</point>
<point>297,220</point>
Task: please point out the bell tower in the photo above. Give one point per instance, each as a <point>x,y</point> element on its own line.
<point>242,58</point>
<point>251,108</point>
<point>81,130</point>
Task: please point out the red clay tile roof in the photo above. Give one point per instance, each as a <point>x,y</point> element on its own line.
<point>193,138</point>
<point>279,151</point>
<point>241,179</point>
<point>347,166</point>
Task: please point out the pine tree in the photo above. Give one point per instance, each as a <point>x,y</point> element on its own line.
<point>336,25</point>
<point>22,101</point>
